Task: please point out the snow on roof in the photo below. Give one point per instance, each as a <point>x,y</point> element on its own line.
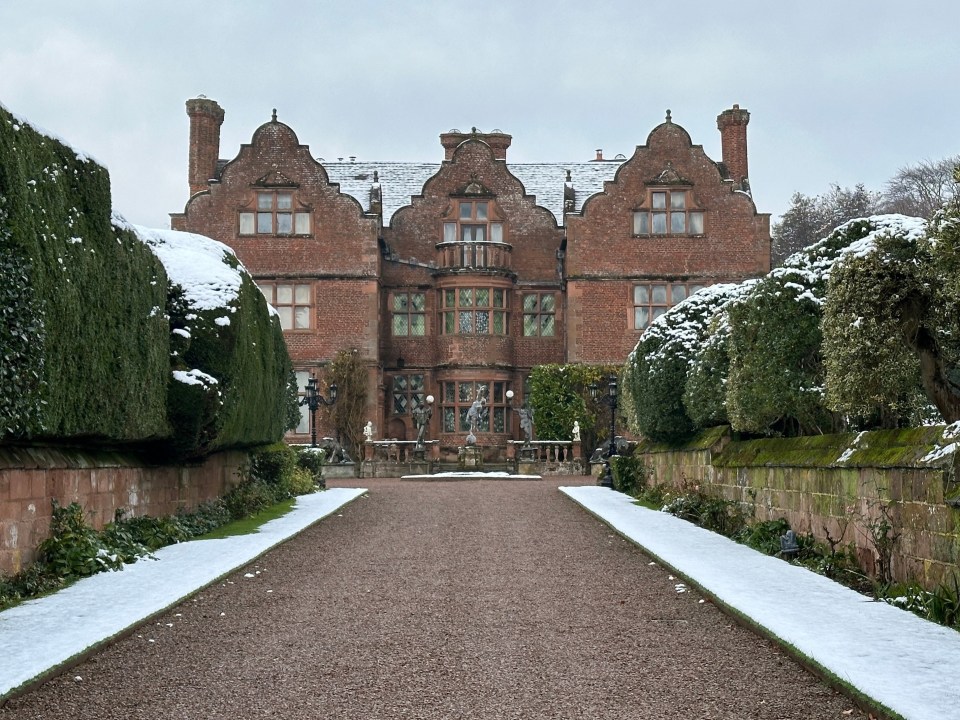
<point>399,181</point>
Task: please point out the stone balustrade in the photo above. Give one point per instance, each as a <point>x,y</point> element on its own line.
<point>473,255</point>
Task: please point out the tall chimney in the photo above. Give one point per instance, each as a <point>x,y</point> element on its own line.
<point>498,142</point>
<point>206,116</point>
<point>733,141</point>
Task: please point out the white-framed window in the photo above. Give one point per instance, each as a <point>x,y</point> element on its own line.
<point>651,300</point>
<point>668,212</point>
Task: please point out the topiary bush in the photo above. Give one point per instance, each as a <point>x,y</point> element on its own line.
<point>871,374</point>
<point>230,367</point>
<point>777,377</point>
<point>115,335</point>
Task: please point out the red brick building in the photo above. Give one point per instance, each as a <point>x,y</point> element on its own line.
<point>461,275</point>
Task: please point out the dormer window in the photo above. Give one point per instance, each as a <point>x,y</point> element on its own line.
<point>275,215</point>
<point>474,223</point>
<point>668,212</point>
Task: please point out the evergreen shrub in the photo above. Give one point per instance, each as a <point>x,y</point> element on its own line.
<point>84,343</point>
<point>872,375</point>
<point>776,381</point>
<point>312,460</point>
<point>92,324</point>
<point>658,367</point>
<point>629,474</point>
<point>560,396</point>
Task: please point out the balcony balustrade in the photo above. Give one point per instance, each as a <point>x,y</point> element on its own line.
<point>474,256</point>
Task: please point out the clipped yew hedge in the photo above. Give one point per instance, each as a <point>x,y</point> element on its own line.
<point>872,375</point>
<point>94,334</point>
<point>84,346</point>
<point>248,404</point>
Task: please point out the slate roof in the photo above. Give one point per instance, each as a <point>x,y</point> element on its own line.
<point>401,180</point>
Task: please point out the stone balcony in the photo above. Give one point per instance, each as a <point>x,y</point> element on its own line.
<point>474,256</point>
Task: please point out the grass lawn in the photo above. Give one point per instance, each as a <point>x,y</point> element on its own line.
<point>250,524</point>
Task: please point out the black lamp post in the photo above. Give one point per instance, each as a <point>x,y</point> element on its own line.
<point>313,399</point>
<point>610,399</point>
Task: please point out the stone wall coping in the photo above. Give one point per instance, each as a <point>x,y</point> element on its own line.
<point>915,448</point>
<point>13,457</point>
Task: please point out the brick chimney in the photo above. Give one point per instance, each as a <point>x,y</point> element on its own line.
<point>498,142</point>
<point>206,116</point>
<point>733,140</point>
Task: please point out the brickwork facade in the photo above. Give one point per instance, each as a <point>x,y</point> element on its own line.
<point>459,277</point>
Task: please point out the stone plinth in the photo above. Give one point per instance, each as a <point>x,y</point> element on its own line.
<point>470,458</point>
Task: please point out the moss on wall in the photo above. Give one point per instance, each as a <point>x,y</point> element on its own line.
<point>703,440</point>
<point>880,448</point>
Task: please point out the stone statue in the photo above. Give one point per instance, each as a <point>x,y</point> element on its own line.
<point>368,430</point>
<point>477,410</point>
<point>421,418</point>
<point>334,451</point>
<point>576,431</point>
<point>526,422</point>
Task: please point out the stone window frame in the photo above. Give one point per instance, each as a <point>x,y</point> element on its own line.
<point>457,307</point>
<point>296,310</point>
<point>411,314</point>
<point>409,389</point>
<point>537,317</point>
<point>273,207</point>
<point>468,217</point>
<point>456,397</point>
<point>649,304</point>
<point>669,203</point>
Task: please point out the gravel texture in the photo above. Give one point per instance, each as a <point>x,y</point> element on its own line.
<point>464,599</point>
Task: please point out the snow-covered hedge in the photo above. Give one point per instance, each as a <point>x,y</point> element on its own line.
<point>119,336</point>
<point>95,361</point>
<point>657,369</point>
<point>871,375</point>
<point>753,355</point>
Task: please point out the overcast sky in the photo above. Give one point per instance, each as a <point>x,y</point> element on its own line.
<point>839,91</point>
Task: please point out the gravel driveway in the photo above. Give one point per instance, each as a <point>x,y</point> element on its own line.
<point>465,599</point>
